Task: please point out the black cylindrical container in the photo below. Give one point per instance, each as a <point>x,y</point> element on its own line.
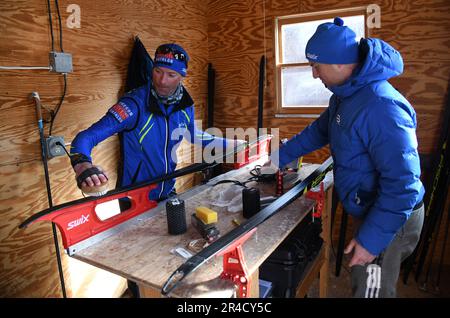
<point>176,216</point>
<point>251,202</point>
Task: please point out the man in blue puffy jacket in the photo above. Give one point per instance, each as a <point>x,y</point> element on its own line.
<point>152,121</point>
<point>370,128</point>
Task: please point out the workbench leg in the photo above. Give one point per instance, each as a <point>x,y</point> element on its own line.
<point>147,292</point>
<point>326,236</point>
<point>254,284</point>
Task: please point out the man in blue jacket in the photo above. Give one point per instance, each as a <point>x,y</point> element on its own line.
<point>370,128</point>
<point>152,121</point>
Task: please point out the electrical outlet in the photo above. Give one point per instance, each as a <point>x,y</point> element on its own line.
<point>53,149</point>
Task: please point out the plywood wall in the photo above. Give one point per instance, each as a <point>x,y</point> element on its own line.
<point>101,49</point>
<point>240,32</point>
<point>231,34</point>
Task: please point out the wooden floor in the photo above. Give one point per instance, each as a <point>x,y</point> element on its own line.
<point>340,287</point>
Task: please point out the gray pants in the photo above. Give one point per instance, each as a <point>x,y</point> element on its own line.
<point>379,279</point>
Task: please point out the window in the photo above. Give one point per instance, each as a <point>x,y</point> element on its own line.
<point>297,91</point>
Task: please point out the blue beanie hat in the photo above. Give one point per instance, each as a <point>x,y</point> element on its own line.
<point>333,43</point>
<point>172,56</point>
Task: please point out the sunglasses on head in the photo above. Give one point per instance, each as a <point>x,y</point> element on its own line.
<point>178,55</point>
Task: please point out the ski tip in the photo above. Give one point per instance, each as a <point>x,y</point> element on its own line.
<point>172,282</point>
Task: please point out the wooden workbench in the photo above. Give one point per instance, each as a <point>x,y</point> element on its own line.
<point>140,250</point>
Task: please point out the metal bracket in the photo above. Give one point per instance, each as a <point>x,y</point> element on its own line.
<point>320,200</point>
<point>234,267</point>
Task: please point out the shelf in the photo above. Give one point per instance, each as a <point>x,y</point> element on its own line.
<point>311,273</point>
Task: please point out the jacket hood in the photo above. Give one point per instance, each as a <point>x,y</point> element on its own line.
<point>380,61</point>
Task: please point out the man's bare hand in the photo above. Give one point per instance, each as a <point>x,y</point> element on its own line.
<point>239,143</point>
<point>360,255</point>
<point>269,167</point>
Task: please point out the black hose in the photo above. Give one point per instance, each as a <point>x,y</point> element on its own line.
<point>55,113</point>
<point>60,26</point>
<point>44,157</point>
<point>51,24</point>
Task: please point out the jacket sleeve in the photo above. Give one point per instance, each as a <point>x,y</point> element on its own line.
<point>392,146</point>
<point>202,138</point>
<point>313,137</point>
<point>122,116</point>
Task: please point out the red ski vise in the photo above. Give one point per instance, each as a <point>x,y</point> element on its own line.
<point>319,196</point>
<point>234,267</point>
<point>79,221</point>
<point>253,152</point>
<point>279,190</point>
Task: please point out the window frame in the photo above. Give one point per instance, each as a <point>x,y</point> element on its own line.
<point>298,18</point>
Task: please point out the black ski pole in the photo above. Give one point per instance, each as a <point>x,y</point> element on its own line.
<point>434,239</point>
<point>211,91</point>
<point>435,207</point>
<point>210,172</point>
<point>441,260</point>
<point>341,245</point>
<point>262,68</point>
<point>430,188</point>
<point>430,193</point>
<point>440,208</point>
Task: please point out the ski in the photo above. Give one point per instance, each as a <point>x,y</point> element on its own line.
<point>178,173</point>
<point>434,187</point>
<point>196,167</point>
<point>223,242</point>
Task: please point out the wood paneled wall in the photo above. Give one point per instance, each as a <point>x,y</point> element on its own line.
<point>231,34</point>
<point>101,49</point>
<point>240,32</point>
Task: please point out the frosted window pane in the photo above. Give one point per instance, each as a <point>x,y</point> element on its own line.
<point>296,35</point>
<point>299,88</point>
